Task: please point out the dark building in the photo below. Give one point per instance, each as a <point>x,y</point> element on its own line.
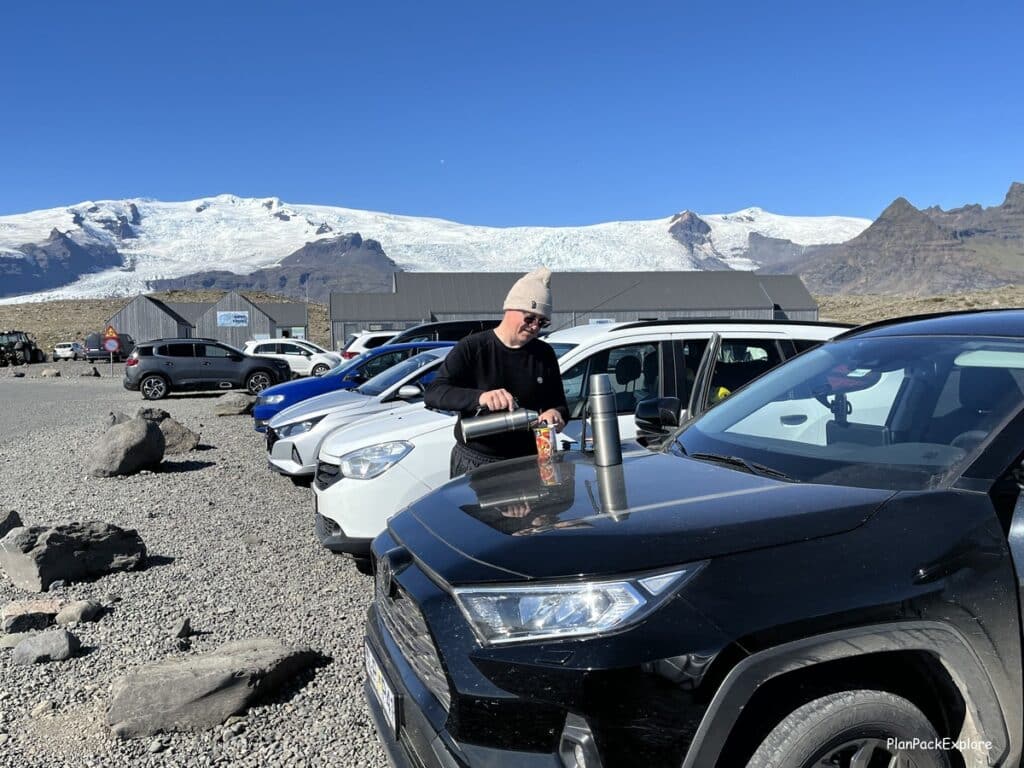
<point>579,298</point>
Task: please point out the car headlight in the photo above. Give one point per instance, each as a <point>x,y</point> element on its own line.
<point>513,614</point>
<point>298,427</point>
<point>374,460</point>
<point>269,399</point>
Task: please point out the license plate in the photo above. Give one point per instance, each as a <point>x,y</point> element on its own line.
<point>381,689</point>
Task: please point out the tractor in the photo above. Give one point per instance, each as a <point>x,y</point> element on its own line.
<point>18,348</point>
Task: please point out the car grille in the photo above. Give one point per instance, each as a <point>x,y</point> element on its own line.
<point>327,475</point>
<point>406,625</point>
<point>271,439</point>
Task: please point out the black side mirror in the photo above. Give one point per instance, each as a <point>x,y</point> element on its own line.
<point>657,415</point>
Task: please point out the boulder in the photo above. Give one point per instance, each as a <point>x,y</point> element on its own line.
<point>9,520</point>
<point>54,645</point>
<point>36,557</point>
<point>50,373</point>
<point>152,414</point>
<point>127,448</point>
<point>24,615</point>
<point>94,373</point>
<point>202,691</point>
<point>12,640</point>
<point>80,610</point>
<point>234,404</point>
<point>116,417</point>
<point>177,437</point>
<point>18,374</point>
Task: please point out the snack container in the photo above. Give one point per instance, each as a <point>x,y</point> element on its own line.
<point>546,445</point>
<point>550,471</point>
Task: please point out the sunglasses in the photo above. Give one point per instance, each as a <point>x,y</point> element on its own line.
<point>529,319</point>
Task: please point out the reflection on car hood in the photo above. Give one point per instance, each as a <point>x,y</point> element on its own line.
<point>516,520</point>
<point>306,388</point>
<point>320,405</point>
<point>403,423</point>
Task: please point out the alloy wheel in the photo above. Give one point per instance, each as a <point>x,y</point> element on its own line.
<point>865,753</point>
<point>258,382</point>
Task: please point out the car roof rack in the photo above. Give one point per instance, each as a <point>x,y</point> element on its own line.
<point>727,321</point>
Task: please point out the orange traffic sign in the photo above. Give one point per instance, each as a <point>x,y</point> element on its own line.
<point>110,333</point>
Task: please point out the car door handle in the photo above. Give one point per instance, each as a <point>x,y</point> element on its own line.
<point>793,419</point>
<point>207,363</point>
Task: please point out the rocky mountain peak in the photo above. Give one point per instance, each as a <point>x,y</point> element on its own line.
<point>1015,197</point>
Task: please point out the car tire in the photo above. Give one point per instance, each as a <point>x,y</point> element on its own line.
<point>154,388</point>
<point>302,481</point>
<point>851,727</point>
<point>320,369</point>
<point>257,381</point>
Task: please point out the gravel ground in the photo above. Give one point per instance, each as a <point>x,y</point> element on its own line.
<point>232,548</point>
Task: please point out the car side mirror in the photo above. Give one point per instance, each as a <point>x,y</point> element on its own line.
<point>237,358</point>
<point>355,377</point>
<point>658,415</point>
<point>410,392</point>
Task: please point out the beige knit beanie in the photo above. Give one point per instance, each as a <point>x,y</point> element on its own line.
<point>532,293</point>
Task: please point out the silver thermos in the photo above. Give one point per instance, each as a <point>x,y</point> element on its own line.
<point>604,421</point>
<point>521,419</point>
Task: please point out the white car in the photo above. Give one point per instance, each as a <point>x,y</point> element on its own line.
<point>364,340</point>
<point>294,435</point>
<point>68,350</point>
<point>301,356</point>
<point>390,461</point>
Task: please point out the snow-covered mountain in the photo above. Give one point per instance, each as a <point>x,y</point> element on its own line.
<point>159,240</point>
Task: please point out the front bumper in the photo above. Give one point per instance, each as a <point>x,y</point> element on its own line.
<point>333,537</point>
<point>288,456</point>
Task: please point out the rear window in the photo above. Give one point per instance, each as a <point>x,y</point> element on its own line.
<point>143,351</point>
<point>375,341</point>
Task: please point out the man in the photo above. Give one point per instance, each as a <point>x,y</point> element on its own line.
<point>502,369</point>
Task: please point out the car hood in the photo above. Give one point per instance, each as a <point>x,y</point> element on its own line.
<point>406,423</point>
<point>516,520</point>
<point>320,406</point>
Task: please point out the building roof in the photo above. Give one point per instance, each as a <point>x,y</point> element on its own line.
<point>418,294</point>
<point>788,291</point>
<point>289,314</point>
<point>189,311</point>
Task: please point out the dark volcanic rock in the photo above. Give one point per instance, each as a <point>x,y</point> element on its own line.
<point>202,691</point>
<point>694,234</point>
<point>36,557</point>
<point>127,448</point>
<point>53,645</point>
<point>58,260</point>
<point>345,263</point>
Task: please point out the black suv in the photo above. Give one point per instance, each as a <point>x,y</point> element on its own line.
<point>822,570</point>
<point>445,330</point>
<point>95,353</point>
<point>156,368</point>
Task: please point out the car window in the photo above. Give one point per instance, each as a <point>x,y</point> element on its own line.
<point>292,349</point>
<point>739,362</point>
<point>265,349</point>
<point>802,345</point>
<point>178,350</point>
<point>212,350</point>
<point>387,379</point>
<point>688,354</point>
<point>375,341</point>
<point>382,362</point>
<point>887,412</point>
<point>625,367</point>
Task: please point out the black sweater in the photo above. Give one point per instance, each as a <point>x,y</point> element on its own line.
<point>482,362</point>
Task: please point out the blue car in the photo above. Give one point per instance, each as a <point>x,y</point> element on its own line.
<point>348,375</point>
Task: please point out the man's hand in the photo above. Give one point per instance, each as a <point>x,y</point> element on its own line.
<point>553,417</point>
<point>497,400</point>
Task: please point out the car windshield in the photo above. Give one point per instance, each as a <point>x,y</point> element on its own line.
<point>387,379</point>
<point>561,349</point>
<point>345,367</point>
<point>889,412</point>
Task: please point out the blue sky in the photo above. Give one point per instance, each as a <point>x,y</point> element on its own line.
<point>541,113</point>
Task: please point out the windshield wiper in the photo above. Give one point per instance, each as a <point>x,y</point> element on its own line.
<point>740,463</point>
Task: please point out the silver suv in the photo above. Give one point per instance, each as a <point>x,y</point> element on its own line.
<point>156,368</point>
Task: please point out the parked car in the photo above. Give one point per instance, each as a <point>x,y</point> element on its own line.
<point>300,358</point>
<point>94,351</point>
<point>295,434</point>
<point>159,367</point>
<point>680,367</point>
<point>445,330</point>
<point>348,375</point>
<point>365,340</point>
<point>68,350</point>
<point>820,571</point>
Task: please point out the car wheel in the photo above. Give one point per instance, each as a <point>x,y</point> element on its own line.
<point>320,369</point>
<point>852,728</point>
<point>257,382</point>
<point>154,387</point>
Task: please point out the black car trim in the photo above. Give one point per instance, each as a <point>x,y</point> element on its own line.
<point>333,537</point>
<point>944,641</point>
